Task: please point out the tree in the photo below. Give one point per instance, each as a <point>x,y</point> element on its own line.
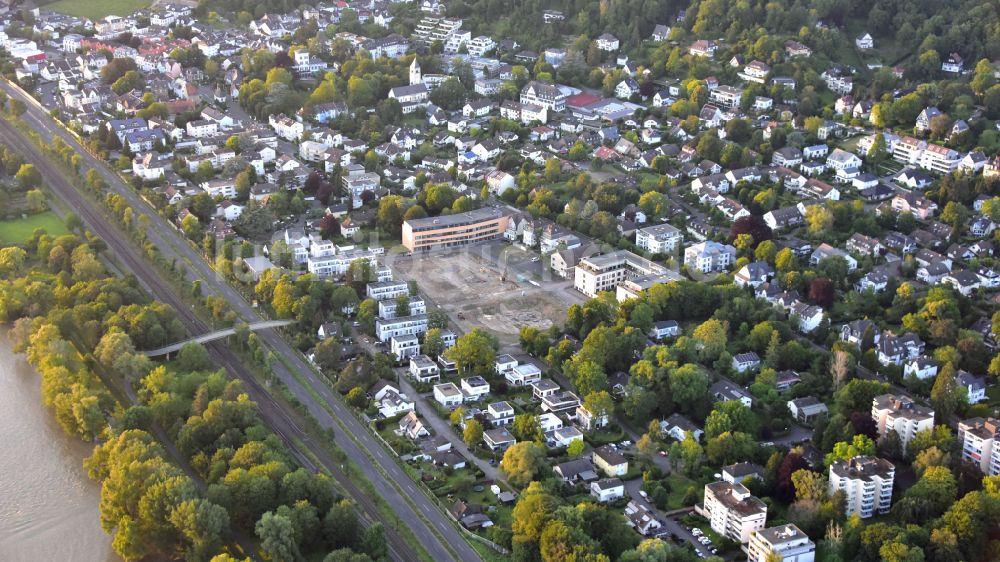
<point>356,398</point>
<point>712,337</point>
<point>28,176</point>
<point>576,448</point>
<point>277,537</point>
<point>753,225</point>
<point>433,344</point>
<point>527,428</point>
<point>599,404</point>
<point>821,292</point>
<point>534,509</point>
<point>474,352</point>
<point>819,219</point>
<point>809,485</point>
<point>947,396</point>
<point>842,451</point>
<point>689,385</point>
<point>193,357</point>
<point>522,462</point>
<point>840,366</point>
<point>473,432</point>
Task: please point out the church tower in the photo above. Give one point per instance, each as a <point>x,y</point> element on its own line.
<point>414,72</point>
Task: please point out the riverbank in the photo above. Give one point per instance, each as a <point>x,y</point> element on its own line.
<point>50,508</point>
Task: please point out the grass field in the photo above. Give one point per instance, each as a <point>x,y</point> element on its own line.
<point>96,9</point>
<point>19,231</point>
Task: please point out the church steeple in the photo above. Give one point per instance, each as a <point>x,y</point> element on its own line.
<point>414,72</point>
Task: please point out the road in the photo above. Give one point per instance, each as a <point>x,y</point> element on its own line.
<point>432,528</point>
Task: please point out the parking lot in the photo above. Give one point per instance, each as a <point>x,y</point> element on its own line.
<point>494,286</point>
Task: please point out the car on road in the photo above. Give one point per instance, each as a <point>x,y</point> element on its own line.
<point>695,531</point>
<point>643,494</point>
<point>356,324</point>
<point>536,258</point>
<point>625,443</point>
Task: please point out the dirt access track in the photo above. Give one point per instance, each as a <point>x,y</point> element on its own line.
<point>467,285</point>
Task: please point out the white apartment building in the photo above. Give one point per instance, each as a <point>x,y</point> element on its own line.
<point>902,414</point>
<point>908,150</point>
<point>709,256</point>
<point>337,264</point>
<point>786,541</point>
<point>726,96</point>
<point>404,326</point>
<point>980,438</point>
<point>388,308</point>
<point>659,239</point>
<point>866,483</point>
<point>431,29</point>
<point>940,159</point>
<point>604,272</point>
<point>733,511</point>
<point>385,290</point>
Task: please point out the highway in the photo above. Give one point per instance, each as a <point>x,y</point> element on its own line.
<point>431,527</point>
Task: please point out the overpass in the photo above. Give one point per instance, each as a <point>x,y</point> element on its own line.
<point>217,335</point>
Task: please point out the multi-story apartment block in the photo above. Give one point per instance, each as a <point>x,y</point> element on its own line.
<point>726,96</point>
<point>786,541</point>
<point>337,264</point>
<point>709,256</point>
<point>385,290</point>
<point>389,308</point>
<point>866,483</point>
<point>940,159</point>
<point>659,239</point>
<point>908,150</point>
<point>902,414</point>
<point>980,438</point>
<point>454,230</point>
<point>432,29</point>
<point>386,328</point>
<point>733,511</point>
<point>604,272</point>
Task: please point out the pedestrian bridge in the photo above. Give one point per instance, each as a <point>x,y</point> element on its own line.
<point>218,335</point>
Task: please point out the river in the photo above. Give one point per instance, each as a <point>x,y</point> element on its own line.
<point>48,506</point>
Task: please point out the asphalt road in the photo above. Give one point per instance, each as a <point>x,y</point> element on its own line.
<point>430,526</point>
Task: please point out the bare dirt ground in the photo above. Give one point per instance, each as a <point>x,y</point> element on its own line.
<point>468,286</point>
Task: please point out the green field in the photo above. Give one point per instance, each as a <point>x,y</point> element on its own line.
<point>97,9</point>
<point>19,231</point>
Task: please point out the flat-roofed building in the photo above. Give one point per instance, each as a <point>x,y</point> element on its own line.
<point>980,439</point>
<point>733,511</point>
<point>604,272</point>
<point>866,483</point>
<point>786,541</point>
<point>658,239</point>
<point>454,230</point>
<point>902,414</point>
<point>386,328</point>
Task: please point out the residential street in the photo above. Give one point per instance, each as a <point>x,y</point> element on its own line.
<point>443,427</point>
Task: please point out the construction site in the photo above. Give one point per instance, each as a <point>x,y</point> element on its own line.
<point>489,286</point>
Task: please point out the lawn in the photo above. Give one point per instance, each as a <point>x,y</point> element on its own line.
<point>97,9</point>
<point>18,231</point>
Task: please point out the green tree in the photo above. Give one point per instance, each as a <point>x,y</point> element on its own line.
<point>473,433</point>
<point>277,537</point>
<point>523,462</point>
<point>474,352</point>
<point>527,428</point>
